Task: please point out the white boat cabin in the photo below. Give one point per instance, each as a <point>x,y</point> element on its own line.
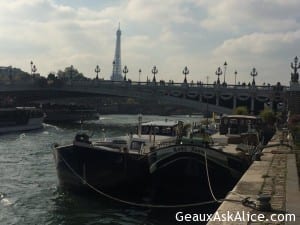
<point>237,124</point>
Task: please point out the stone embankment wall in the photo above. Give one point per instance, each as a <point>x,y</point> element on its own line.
<point>275,176</point>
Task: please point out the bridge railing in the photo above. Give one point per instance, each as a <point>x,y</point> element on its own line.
<point>160,85</point>
<point>171,84</point>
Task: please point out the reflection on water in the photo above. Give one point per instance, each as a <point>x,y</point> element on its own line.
<point>74,209</point>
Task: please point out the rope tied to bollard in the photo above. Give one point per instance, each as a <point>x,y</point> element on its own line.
<point>143,205</point>
<point>246,202</point>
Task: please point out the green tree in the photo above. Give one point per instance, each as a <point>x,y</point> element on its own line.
<point>70,73</point>
<point>51,76</point>
<point>268,116</point>
<point>241,110</point>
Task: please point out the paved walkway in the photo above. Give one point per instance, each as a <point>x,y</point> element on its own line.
<point>275,176</point>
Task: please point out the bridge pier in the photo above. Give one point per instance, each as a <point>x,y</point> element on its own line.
<point>252,104</point>
<point>217,99</point>
<point>234,101</point>
<point>271,104</point>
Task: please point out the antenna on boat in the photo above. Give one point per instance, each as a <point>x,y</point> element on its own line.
<point>140,125</point>
<point>81,125</point>
<point>103,133</point>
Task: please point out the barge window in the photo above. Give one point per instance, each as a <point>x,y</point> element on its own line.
<point>225,121</point>
<point>156,130</point>
<point>145,130</point>
<point>242,122</point>
<point>233,121</point>
<point>137,145</point>
<point>166,130</point>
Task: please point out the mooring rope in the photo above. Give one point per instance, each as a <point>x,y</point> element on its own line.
<point>145,205</point>
<point>208,178</point>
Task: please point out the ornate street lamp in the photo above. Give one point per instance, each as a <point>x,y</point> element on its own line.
<point>225,67</point>
<point>185,72</point>
<point>71,72</point>
<point>97,70</point>
<point>10,73</point>
<point>235,74</point>
<point>33,68</point>
<point>154,71</point>
<point>295,67</point>
<point>125,71</point>
<point>140,71</point>
<point>253,74</point>
<point>219,73</point>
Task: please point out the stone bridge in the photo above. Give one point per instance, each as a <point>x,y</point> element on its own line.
<point>201,97</point>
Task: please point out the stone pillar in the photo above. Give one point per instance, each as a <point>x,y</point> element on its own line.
<point>252,104</point>
<point>217,99</point>
<point>234,101</point>
<point>271,104</point>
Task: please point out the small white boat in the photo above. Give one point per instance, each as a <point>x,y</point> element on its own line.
<point>20,119</point>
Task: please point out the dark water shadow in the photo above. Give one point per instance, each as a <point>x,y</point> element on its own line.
<point>74,209</point>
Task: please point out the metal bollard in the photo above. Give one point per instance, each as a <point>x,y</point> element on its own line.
<point>263,203</point>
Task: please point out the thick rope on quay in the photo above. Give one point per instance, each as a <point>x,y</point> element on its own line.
<point>245,201</point>
<point>208,178</point>
<point>144,205</point>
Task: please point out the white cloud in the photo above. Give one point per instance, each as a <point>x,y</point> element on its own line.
<point>269,51</point>
<point>201,34</point>
<point>255,15</point>
<point>258,43</point>
<point>170,11</point>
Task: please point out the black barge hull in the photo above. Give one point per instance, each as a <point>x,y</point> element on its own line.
<point>90,170</point>
<point>188,174</point>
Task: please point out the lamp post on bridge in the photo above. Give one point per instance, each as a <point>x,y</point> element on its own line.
<point>33,68</point>
<point>218,73</point>
<point>97,70</point>
<point>140,71</point>
<point>185,72</point>
<point>225,67</point>
<point>154,71</point>
<point>253,74</point>
<point>71,72</point>
<point>235,73</point>
<point>207,77</point>
<point>125,71</point>
<point>295,74</point>
<point>10,74</point>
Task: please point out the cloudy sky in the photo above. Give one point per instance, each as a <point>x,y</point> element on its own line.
<point>171,34</point>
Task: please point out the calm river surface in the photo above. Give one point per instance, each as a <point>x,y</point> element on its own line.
<point>28,181</point>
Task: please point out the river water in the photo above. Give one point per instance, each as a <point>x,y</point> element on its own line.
<point>29,192</point>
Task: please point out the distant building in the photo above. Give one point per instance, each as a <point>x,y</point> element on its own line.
<point>8,73</point>
<point>5,72</point>
<point>117,66</point>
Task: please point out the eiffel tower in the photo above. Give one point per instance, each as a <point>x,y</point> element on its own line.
<point>117,67</point>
